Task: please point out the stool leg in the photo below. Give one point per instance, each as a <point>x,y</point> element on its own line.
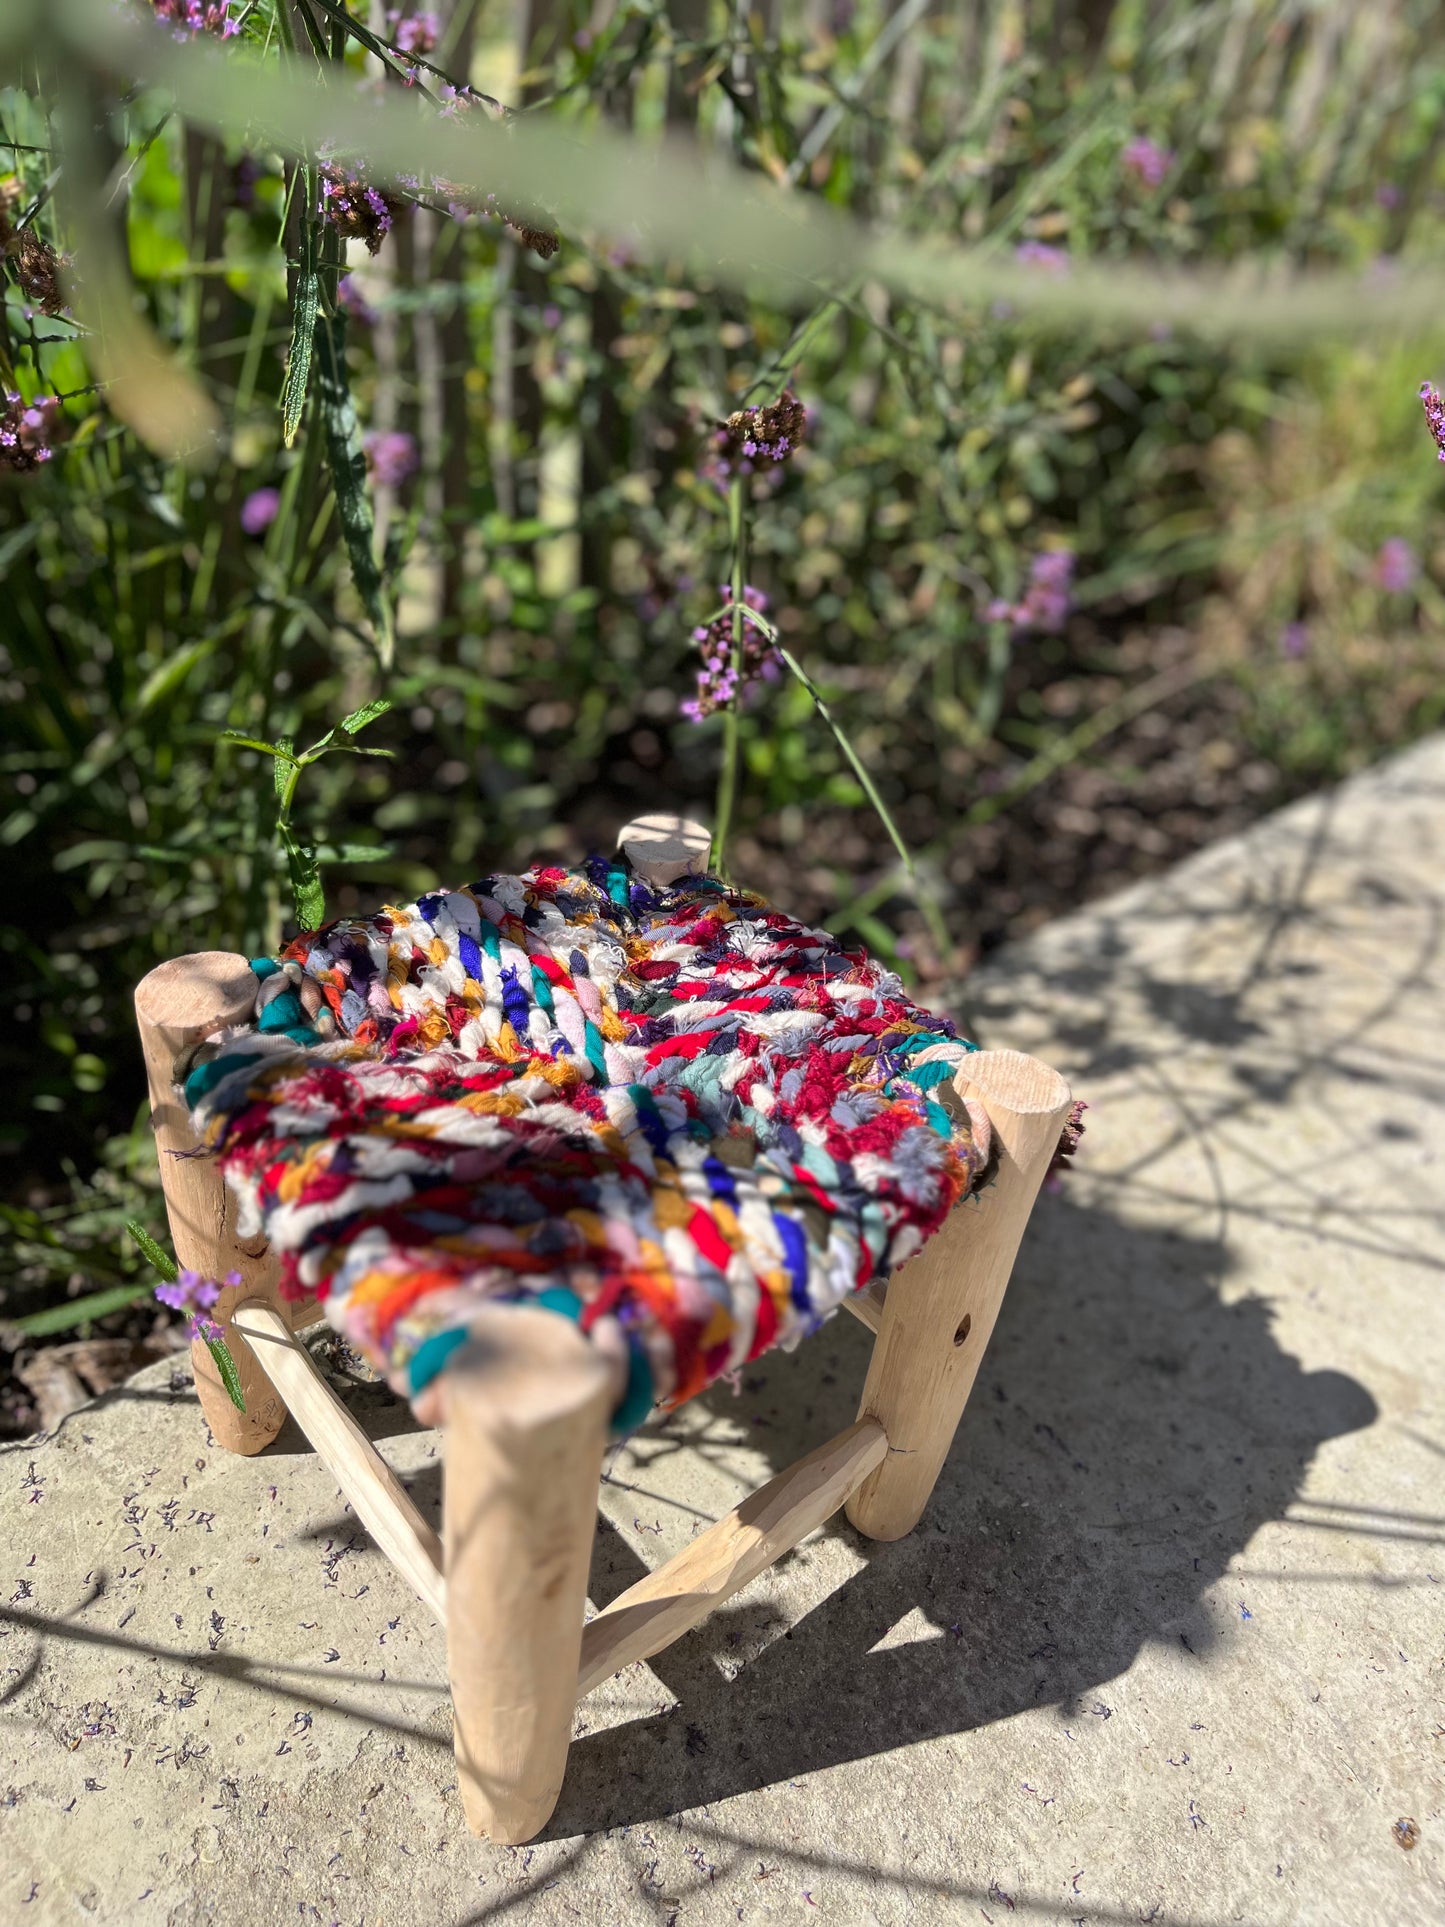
<point>176,1005</point>
<point>527,1405</point>
<point>940,1308</point>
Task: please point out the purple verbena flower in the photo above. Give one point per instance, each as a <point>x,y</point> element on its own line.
<point>193,1293</point>
<point>1041,254</point>
<point>27,430</point>
<point>190,17</point>
<point>1396,565</point>
<point>391,457</point>
<point>1044,606</point>
<point>1434,414</point>
<point>1146,160</point>
<point>718,680</point>
<point>244,176</point>
<point>416,33</point>
<point>258,511</point>
<point>1294,641</point>
<point>353,302</point>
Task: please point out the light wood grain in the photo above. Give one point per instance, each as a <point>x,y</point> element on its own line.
<point>373,1490</point>
<point>528,1400</point>
<point>663,849</point>
<point>939,1310</point>
<point>867,1305</point>
<point>749,1539</point>
<point>178,1005</point>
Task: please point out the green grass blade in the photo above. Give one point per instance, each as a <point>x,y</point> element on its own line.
<point>79,1311</point>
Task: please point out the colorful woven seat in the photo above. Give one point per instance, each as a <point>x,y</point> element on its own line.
<point>678,1116</point>
<point>628,1095</point>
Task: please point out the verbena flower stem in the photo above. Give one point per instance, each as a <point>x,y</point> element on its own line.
<point>775,376</point>
<point>728,773</point>
<point>870,790</point>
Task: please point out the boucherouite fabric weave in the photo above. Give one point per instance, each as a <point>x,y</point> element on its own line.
<point>675,1115</point>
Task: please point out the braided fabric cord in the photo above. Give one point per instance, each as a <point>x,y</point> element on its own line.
<point>676,1115</point>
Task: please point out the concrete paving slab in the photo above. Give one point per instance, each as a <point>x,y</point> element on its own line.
<point>1169,1646</point>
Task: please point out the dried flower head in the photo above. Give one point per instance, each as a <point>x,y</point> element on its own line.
<point>462,202</point>
<point>718,679</point>
<point>1068,1145</point>
<point>1434,414</point>
<point>37,268</point>
<point>753,440</point>
<point>27,431</point>
<point>356,211</point>
<point>540,240</point>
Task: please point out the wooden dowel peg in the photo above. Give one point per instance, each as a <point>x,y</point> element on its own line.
<point>664,849</point>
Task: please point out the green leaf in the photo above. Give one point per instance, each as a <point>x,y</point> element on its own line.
<point>305,873</point>
<point>79,1311</point>
<point>354,852</point>
<point>348,479</point>
<point>285,760</point>
<point>368,713</point>
<point>253,742</point>
<point>303,318</point>
<point>226,1367</point>
<point>154,1256</point>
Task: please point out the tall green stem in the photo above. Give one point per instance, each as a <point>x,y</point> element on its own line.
<point>727,781</point>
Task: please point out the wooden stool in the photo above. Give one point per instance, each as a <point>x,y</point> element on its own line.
<point>528,1399</point>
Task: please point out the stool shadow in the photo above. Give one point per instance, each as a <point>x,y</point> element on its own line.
<point>1129,1431</point>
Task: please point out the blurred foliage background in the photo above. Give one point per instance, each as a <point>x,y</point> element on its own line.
<point>1257,564</point>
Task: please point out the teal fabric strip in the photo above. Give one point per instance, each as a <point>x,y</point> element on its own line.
<point>542,990</point>
<point>431,1354</point>
<point>637,1396</point>
<point>925,1076</point>
<point>592,1037</point>
<point>205,1077</point>
<point>282,1012</point>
